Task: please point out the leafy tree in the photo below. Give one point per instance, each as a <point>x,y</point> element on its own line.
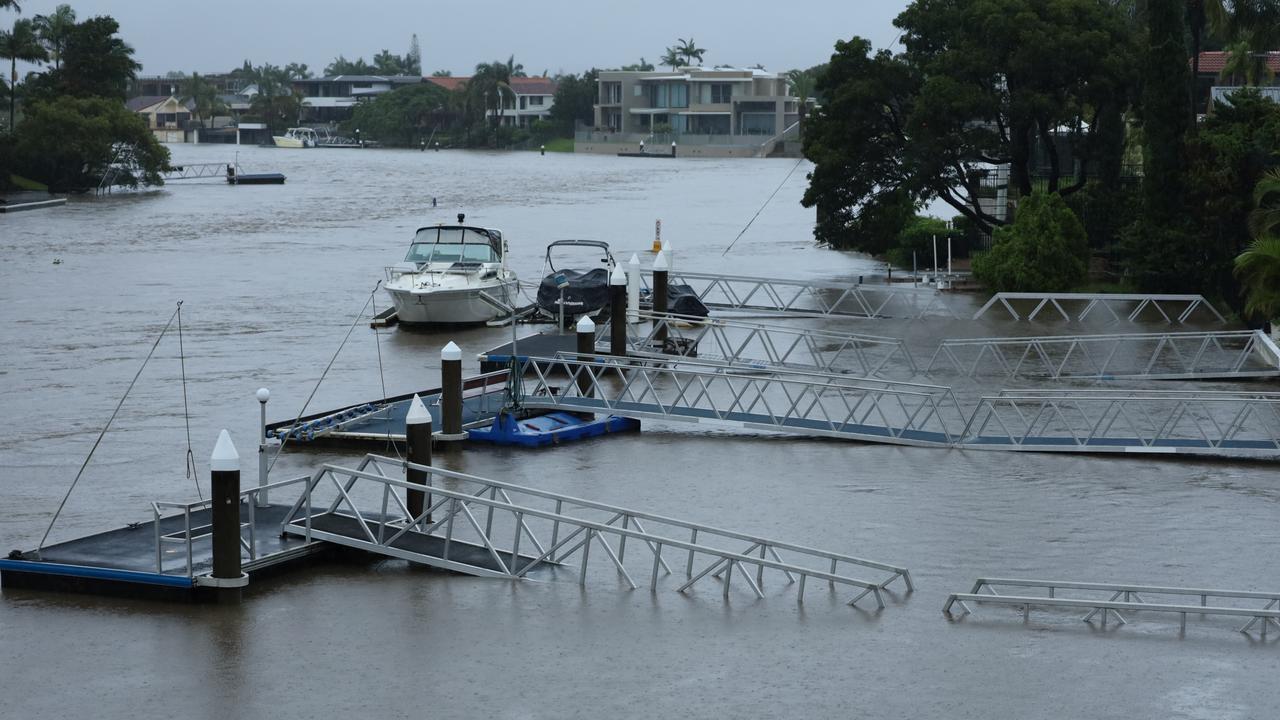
<point>442,73</point>
<point>689,51</point>
<point>298,71</point>
<point>385,63</point>
<point>491,87</point>
<point>575,100</point>
<point>20,43</point>
<point>917,239</point>
<point>10,3</point>
<point>641,66</point>
<point>404,115</point>
<point>514,69</point>
<point>203,97</point>
<point>980,84</point>
<point>1043,250</point>
<point>95,63</point>
<point>1246,66</point>
<point>1164,124</point>
<point>343,66</point>
<point>803,83</point>
<point>69,142</point>
<point>54,29</point>
<point>1264,219</point>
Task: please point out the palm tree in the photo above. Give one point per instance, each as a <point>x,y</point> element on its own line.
<point>1264,219</point>
<point>514,69</point>
<point>802,86</point>
<point>491,85</point>
<point>53,30</point>
<point>671,58</point>
<point>203,96</point>
<point>10,3</point>
<point>689,51</point>
<point>1243,63</point>
<point>1258,268</point>
<point>20,43</point>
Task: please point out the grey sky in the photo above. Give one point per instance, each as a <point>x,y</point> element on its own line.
<point>551,35</point>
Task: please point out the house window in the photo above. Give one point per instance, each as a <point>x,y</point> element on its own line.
<point>611,93</point>
<point>679,95</point>
<point>721,92</point>
<point>523,102</point>
<point>535,100</point>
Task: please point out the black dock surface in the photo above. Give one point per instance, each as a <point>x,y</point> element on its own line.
<point>545,344</point>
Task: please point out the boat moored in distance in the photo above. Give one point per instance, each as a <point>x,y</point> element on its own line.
<point>302,137</point>
<point>444,273</point>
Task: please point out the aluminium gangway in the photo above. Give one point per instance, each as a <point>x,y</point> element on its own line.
<point>1226,354</point>
<point>491,528</point>
<point>884,411</point>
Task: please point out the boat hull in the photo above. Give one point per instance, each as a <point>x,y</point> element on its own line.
<point>287,142</point>
<point>450,306</point>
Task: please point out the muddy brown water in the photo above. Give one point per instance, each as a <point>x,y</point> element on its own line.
<point>271,278</point>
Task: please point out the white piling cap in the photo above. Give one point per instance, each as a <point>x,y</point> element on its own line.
<point>618,277</point>
<point>660,261</point>
<point>263,395</point>
<point>585,325</point>
<point>451,352</point>
<point>224,458</point>
<point>418,414</point>
<point>634,261</point>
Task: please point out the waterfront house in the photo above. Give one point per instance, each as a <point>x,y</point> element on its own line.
<point>331,99</point>
<point>1211,85</point>
<point>719,111</point>
<point>166,116</point>
<point>530,99</point>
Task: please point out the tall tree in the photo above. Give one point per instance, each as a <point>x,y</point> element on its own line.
<point>54,30</point>
<point>574,100</point>
<point>298,71</point>
<point>491,85</point>
<point>978,86</point>
<point>688,50</point>
<point>203,97</point>
<point>413,58</point>
<point>803,83</point>
<point>68,143</point>
<point>95,61</point>
<point>20,43</point>
<point>514,69</point>
<point>671,58</point>
<point>1164,119</point>
<point>387,63</point>
<point>642,66</point>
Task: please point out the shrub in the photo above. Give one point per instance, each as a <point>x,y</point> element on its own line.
<point>917,237</point>
<point>1043,250</point>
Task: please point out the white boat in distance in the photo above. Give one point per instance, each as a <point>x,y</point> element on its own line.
<point>444,272</point>
<point>297,138</point>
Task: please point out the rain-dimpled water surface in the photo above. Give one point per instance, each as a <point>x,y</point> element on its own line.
<point>272,277</point>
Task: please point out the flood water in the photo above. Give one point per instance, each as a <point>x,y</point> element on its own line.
<point>271,279</point>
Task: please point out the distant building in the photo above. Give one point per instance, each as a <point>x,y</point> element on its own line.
<point>531,98</point>
<point>166,116</point>
<point>698,101</point>
<point>1211,85</point>
<point>331,99</point>
<point>166,85</point>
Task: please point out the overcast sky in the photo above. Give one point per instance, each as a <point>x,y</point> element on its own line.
<point>551,35</point>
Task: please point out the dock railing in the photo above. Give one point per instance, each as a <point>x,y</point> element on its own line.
<point>499,517</point>
<point>186,538</point>
<point>1125,597</point>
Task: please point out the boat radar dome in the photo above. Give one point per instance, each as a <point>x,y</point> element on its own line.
<point>462,217</point>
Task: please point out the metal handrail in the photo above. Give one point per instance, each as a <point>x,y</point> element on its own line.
<point>450,504</point>
<point>1103,300</point>
<point>1132,600</point>
<point>187,539</point>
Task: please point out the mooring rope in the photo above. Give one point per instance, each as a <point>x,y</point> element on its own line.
<point>332,360</point>
<point>192,473</point>
<point>120,404</point>
<point>382,378</point>
<point>762,207</point>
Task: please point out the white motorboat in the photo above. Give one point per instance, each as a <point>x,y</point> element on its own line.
<point>444,272</point>
<point>296,138</point>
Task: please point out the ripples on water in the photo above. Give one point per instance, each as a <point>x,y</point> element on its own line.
<point>273,276</point>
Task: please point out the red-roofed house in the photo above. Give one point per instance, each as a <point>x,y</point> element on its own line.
<point>532,101</point>
<point>1211,84</point>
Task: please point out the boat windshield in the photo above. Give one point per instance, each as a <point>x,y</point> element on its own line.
<point>454,244</point>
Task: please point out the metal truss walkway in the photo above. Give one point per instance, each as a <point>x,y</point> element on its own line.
<point>491,528</point>
<point>1121,597</point>
<point>194,171</point>
<point>1146,356</point>
<point>746,345</point>
<point>883,411</point>
<point>810,297</point>
<point>791,401</point>
<point>1140,421</point>
<point>1119,306</point>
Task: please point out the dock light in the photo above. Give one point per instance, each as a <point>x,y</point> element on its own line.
<point>263,395</point>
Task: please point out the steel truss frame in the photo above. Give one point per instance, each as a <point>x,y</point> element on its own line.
<point>1131,305</point>
<point>1148,421</point>
<point>1132,600</point>
<point>574,527</point>
<point>749,345</point>
<point>809,297</point>
<point>808,403</point>
<point>1146,356</point>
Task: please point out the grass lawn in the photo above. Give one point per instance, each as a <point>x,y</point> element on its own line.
<point>560,145</point>
<point>24,184</point>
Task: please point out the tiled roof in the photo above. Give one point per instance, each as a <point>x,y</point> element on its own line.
<point>142,102</point>
<point>534,86</point>
<point>449,83</point>
<point>1212,62</point>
